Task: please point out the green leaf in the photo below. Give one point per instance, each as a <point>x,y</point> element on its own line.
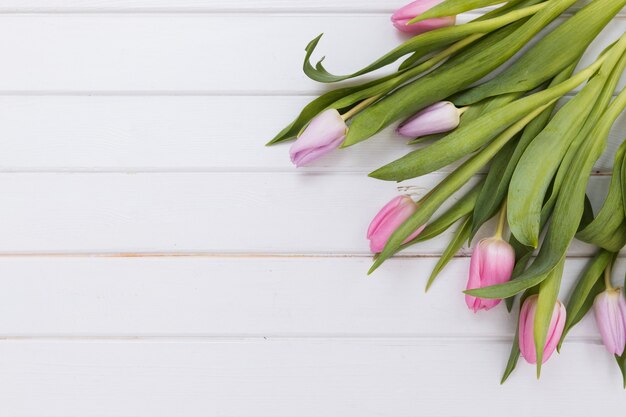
<point>541,160</point>
<point>498,178</point>
<point>549,56</point>
<point>461,208</point>
<point>323,102</point>
<point>573,152</point>
<point>427,42</point>
<point>461,71</point>
<point>446,188</point>
<point>513,358</point>
<point>452,8</point>
<point>588,286</point>
<point>623,183</point>
<point>621,362</point>
<point>472,136</point>
<point>491,196</point>
<point>460,236</point>
<point>548,295</point>
<point>568,210</point>
<point>515,352</point>
<point>608,230</point>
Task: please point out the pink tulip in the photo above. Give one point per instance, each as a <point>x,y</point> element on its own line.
<point>324,134</point>
<point>438,118</point>
<point>492,263</point>
<point>403,15</point>
<point>527,334</point>
<point>610,311</point>
<point>396,212</point>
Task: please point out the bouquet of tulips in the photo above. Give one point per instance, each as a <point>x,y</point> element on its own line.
<point>539,159</point>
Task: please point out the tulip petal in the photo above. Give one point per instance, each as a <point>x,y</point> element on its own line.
<point>557,324</point>
<point>438,118</point>
<point>325,133</point>
<point>403,15</point>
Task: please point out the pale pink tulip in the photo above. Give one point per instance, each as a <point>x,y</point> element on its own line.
<point>527,330</point>
<point>403,15</point>
<point>324,134</point>
<point>492,263</point>
<point>610,312</point>
<point>396,212</point>
<point>439,118</point>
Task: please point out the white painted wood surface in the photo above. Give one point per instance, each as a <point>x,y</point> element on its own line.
<point>156,260</point>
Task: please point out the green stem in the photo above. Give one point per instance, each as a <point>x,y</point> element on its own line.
<point>379,91</point>
<point>359,107</point>
<point>607,276</point>
<point>501,220</point>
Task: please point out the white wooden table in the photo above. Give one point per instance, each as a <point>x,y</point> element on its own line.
<point>157,260</point>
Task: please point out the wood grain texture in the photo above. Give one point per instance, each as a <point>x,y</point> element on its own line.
<point>348,378</point>
<point>156,260</point>
<point>165,133</point>
<point>295,297</point>
<point>126,6</point>
<point>243,213</point>
<point>191,54</point>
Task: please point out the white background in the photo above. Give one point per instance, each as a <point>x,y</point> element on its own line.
<point>157,260</point>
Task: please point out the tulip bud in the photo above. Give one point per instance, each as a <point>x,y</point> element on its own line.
<point>396,212</point>
<point>610,312</point>
<point>439,118</point>
<point>407,13</point>
<point>324,134</point>
<point>492,263</point>
<point>527,330</point>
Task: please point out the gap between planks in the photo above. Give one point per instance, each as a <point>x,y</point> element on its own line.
<point>221,338</point>
<point>227,255</point>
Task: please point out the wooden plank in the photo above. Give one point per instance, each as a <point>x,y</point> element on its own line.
<point>307,378</point>
<point>204,212</point>
<point>181,54</point>
<point>55,133</point>
<point>248,297</point>
<point>60,6</point>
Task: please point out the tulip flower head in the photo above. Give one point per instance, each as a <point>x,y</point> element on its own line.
<point>492,263</point>
<point>405,14</point>
<point>324,134</point>
<point>610,311</point>
<point>390,217</point>
<point>438,118</point>
<point>527,330</point>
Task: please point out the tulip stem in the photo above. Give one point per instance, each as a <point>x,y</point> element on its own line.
<point>501,220</point>
<point>359,107</point>
<point>607,276</point>
<point>463,110</point>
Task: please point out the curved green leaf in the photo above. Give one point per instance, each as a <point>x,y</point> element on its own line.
<point>550,55</point>
<point>621,362</point>
<point>568,210</point>
<point>460,237</point>
<point>461,208</point>
<point>573,151</point>
<point>471,137</point>
<point>548,295</point>
<point>587,287</point>
<point>623,183</point>
<point>428,42</point>
<point>458,73</point>
<point>608,230</point>
<point>497,182</point>
<point>541,160</point>
<point>321,103</point>
<point>446,188</point>
<point>452,8</point>
<point>515,352</point>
